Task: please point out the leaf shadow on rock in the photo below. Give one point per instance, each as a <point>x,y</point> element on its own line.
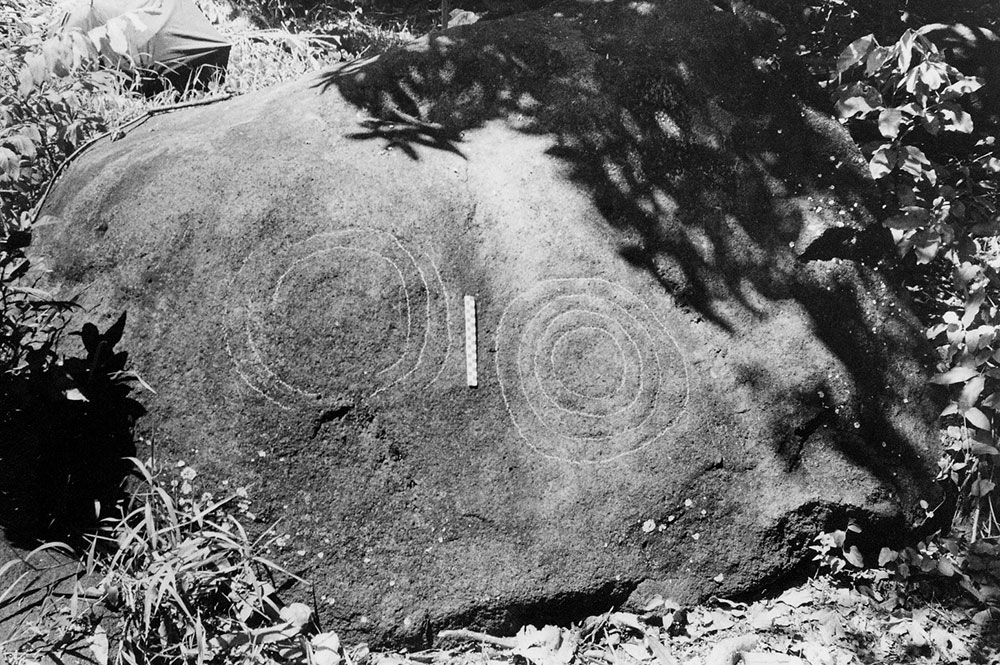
<point>697,187</point>
<point>699,155</point>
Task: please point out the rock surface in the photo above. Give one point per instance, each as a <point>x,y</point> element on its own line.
<point>683,371</point>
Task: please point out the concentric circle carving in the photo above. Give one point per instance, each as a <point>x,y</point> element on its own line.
<point>587,370</point>
<point>350,311</point>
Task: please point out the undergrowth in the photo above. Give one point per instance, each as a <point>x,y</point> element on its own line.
<point>170,579</point>
<point>913,115</point>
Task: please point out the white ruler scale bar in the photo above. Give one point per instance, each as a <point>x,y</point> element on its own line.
<point>471,358</point>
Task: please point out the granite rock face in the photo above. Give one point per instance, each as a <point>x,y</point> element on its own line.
<point>684,367</point>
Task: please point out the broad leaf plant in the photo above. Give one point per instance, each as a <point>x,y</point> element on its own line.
<point>913,115</point>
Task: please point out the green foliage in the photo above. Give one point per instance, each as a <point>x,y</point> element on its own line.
<point>266,57</point>
<point>30,321</point>
<point>912,113</point>
<point>944,188</point>
<point>41,122</point>
<point>298,36</point>
<point>178,580</point>
<point>43,115</point>
<point>939,565</point>
<point>833,552</point>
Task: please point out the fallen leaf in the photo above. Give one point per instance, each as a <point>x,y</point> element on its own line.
<point>918,636</point>
<point>462,17</point>
<point>796,597</point>
<point>659,651</point>
<point>830,626</point>
<point>886,555</point>
<point>550,645</point>
<point>853,556</point>
<point>990,614</point>
<point>726,651</point>
<point>721,621</point>
<point>296,614</point>
<point>98,645</point>
<point>325,649</point>
<point>898,628</point>
<point>816,654</point>
<point>769,618</point>
<point>949,645</point>
<point>74,395</point>
<point>848,598</point>
<point>637,652</point>
<point>945,567</point>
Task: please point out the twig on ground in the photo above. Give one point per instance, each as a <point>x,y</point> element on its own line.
<point>473,636</point>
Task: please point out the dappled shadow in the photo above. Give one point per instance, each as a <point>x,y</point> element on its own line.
<point>64,433</point>
<point>696,185</point>
<point>405,133</point>
<point>698,153</point>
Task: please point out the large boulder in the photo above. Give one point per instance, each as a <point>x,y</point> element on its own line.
<point>685,368</point>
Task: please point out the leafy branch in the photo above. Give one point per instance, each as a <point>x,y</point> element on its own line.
<point>912,114</point>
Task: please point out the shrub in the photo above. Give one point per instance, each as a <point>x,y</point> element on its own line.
<point>43,115</point>
<point>912,113</point>
<point>30,321</point>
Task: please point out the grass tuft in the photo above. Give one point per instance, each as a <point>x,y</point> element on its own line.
<point>169,580</point>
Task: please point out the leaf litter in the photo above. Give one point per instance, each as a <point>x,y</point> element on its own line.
<point>820,622</point>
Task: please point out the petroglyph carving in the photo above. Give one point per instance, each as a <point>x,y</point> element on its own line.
<point>588,371</point>
<point>379,321</point>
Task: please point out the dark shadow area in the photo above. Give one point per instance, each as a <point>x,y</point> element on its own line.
<point>421,15</point>
<point>64,431</point>
<point>815,518</point>
<point>560,609</point>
